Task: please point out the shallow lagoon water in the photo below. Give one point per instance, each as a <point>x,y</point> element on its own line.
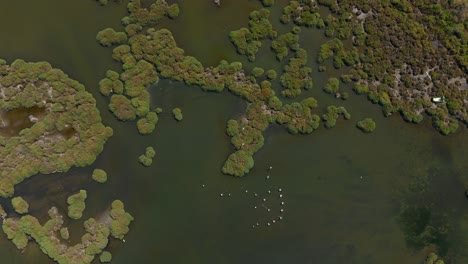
<point>341,187</point>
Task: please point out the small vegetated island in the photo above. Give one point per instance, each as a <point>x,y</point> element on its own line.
<point>64,129</point>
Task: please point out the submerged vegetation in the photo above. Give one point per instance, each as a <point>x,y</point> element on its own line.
<point>69,134</point>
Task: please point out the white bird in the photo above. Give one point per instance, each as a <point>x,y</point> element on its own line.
<point>221,194</point>
<point>281,210</point>
<point>246,191</point>
<point>264,199</point>
<point>282,203</point>
<point>279,190</point>
<point>268,210</point>
<point>255,207</point>
<point>268,223</point>
<point>269,191</point>
<point>257,224</point>
<point>271,167</point>
<point>280,218</point>
<point>123,240</point>
<point>274,221</point>
<point>229,194</point>
<point>268,177</point>
<point>280,195</point>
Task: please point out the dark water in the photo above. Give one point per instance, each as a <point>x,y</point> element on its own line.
<point>341,188</point>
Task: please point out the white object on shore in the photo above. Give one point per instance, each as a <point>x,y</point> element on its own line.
<point>438,99</point>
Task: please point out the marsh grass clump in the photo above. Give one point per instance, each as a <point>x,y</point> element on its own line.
<point>366,125</point>
<point>76,204</point>
<point>105,257</point>
<point>333,113</point>
<point>248,41</point>
<point>99,176</point>
<point>177,112</point>
<point>20,205</point>
<point>108,37</point>
<point>147,158</point>
<point>332,86</point>
<point>120,220</point>
<point>296,75</point>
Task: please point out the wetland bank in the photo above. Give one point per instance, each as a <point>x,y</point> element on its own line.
<point>341,187</point>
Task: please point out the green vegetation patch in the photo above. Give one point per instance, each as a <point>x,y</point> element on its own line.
<point>366,125</point>
<point>105,257</point>
<point>76,204</point>
<point>120,220</point>
<point>108,37</point>
<point>332,86</point>
<point>70,134</point>
<point>177,112</point>
<point>332,115</point>
<point>296,75</point>
<point>20,205</point>
<point>147,158</point>
<point>248,41</point>
<point>99,175</point>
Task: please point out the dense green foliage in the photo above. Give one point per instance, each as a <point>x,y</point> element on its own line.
<point>111,84</point>
<point>248,41</point>
<point>64,234</point>
<point>122,107</point>
<point>332,86</point>
<point>120,220</point>
<point>147,158</point>
<point>70,133</point>
<point>108,37</point>
<point>92,242</point>
<point>238,164</point>
<point>332,115</point>
<point>76,204</point>
<point>271,74</point>
<point>432,258</point>
<point>149,16</point>
<point>303,13</point>
<point>105,257</point>
<point>99,175</point>
<point>147,124</point>
<point>296,75</point>
<point>406,52</point>
<point>367,125</point>
<point>177,112</point>
<point>283,43</point>
<point>20,205</point>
